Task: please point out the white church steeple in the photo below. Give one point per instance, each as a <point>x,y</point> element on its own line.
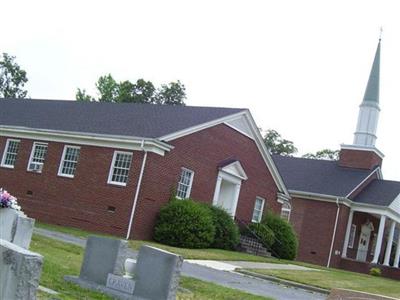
<point>365,135</point>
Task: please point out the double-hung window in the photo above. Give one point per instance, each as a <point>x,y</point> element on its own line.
<point>120,165</point>
<point>185,184</point>
<point>38,155</point>
<point>285,211</point>
<point>69,161</point>
<point>10,153</point>
<point>258,210</point>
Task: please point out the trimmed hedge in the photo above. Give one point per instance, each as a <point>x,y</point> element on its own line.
<point>185,223</point>
<point>226,231</point>
<point>286,243</point>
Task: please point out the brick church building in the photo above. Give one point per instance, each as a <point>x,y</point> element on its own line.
<point>111,167</point>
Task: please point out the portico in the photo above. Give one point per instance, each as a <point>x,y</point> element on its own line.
<point>375,228</point>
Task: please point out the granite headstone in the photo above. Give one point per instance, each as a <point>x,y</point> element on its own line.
<point>103,256</point>
<point>20,271</point>
<point>157,274</point>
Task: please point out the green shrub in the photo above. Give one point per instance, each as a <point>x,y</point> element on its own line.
<point>266,235</point>
<point>285,245</point>
<point>185,223</point>
<point>375,272</point>
<point>226,230</point>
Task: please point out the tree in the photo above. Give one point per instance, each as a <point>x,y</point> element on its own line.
<point>173,93</point>
<point>82,96</point>
<point>107,88</point>
<point>278,145</point>
<point>141,91</point>
<point>326,154</point>
<point>12,78</point>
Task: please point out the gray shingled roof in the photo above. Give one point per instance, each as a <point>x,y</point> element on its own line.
<point>379,192</point>
<point>123,119</point>
<point>318,176</point>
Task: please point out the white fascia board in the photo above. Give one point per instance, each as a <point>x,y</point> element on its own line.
<point>376,209</point>
<point>363,181</point>
<point>109,141</point>
<point>363,148</point>
<point>266,155</point>
<point>320,197</point>
<point>257,138</point>
<point>361,207</point>
<point>193,129</point>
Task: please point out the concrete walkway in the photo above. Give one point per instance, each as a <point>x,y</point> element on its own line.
<point>235,265</point>
<point>215,273</point>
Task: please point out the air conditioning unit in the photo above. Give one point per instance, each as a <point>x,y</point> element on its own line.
<point>36,167</point>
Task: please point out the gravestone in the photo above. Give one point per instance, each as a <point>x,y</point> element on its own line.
<point>19,272</point>
<point>16,227</point>
<point>157,274</point>
<point>103,256</point>
<point>23,231</point>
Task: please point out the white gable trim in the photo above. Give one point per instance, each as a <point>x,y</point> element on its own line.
<point>363,181</point>
<point>235,169</point>
<point>193,129</point>
<point>395,205</point>
<point>110,141</point>
<point>257,139</point>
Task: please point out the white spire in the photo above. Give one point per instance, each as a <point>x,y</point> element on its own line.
<point>368,115</point>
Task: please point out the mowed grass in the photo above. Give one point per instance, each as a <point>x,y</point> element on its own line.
<point>62,259</point>
<point>207,254</point>
<point>334,278</point>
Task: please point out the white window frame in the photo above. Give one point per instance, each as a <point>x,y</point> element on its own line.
<point>111,171</point>
<point>60,167</point>
<point>261,211</point>
<point>32,154</point>
<point>189,190</point>
<point>353,230</point>
<point>3,159</point>
<point>285,209</point>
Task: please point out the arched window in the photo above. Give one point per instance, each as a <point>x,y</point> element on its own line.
<point>285,211</point>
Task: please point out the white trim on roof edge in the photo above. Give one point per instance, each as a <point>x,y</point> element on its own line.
<point>363,181</point>
<point>100,140</point>
<point>257,139</point>
<point>362,207</point>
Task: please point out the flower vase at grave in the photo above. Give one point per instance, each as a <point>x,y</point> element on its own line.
<point>130,265</point>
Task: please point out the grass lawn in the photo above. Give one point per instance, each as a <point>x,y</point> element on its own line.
<point>65,259</point>
<point>210,254</point>
<point>334,278</point>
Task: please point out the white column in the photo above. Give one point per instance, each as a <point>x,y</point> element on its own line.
<point>347,236</point>
<point>236,199</point>
<point>379,239</point>
<point>389,243</point>
<point>397,256</point>
<point>217,190</point>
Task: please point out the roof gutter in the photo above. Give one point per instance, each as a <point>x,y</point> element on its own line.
<point>334,233</point>
<point>139,183</point>
<point>91,139</point>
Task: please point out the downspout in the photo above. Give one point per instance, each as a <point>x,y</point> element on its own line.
<point>137,191</point>
<point>334,233</point>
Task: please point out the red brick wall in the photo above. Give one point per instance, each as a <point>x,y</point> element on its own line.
<point>359,159</point>
<point>83,201</point>
<point>362,267</point>
<point>202,152</point>
<point>314,223</point>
